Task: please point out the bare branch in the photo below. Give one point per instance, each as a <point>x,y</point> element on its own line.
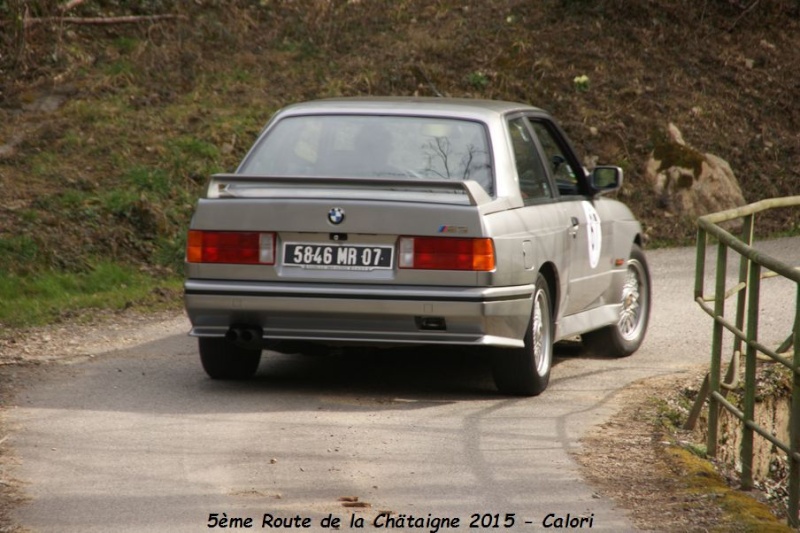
<point>100,20</point>
<point>468,156</point>
<point>443,144</point>
<point>747,10</point>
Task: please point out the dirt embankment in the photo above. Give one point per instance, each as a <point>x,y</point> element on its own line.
<point>148,107</point>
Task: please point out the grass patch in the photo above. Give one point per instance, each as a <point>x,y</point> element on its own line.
<point>152,180</point>
<point>17,250</point>
<point>126,45</point>
<point>192,156</point>
<point>49,296</point>
<point>44,165</point>
<point>119,68</point>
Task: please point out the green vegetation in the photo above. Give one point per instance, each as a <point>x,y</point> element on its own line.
<point>47,297</point>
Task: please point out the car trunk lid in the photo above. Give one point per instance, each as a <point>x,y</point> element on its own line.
<point>349,229</point>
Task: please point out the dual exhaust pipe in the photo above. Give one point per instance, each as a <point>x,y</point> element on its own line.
<point>249,337</point>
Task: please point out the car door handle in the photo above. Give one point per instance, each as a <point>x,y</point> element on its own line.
<point>573,228</point>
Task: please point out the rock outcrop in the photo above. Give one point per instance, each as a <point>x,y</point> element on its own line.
<point>689,182</point>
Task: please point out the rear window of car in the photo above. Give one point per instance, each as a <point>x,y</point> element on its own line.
<point>396,147</point>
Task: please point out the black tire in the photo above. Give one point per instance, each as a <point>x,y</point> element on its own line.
<point>625,337</point>
<point>526,371</point>
<point>224,360</point>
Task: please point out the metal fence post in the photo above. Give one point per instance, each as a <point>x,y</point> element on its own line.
<point>794,439</point>
<point>744,265</point>
<point>700,263</point>
<point>716,349</point>
<point>753,290</point>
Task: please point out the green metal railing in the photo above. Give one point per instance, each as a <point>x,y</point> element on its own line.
<point>744,328</point>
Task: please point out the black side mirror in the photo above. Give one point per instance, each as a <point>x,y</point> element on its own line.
<point>606,179</point>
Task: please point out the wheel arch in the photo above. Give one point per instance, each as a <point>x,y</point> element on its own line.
<point>550,273</point>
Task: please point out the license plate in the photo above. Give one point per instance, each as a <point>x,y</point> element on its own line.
<point>338,257</point>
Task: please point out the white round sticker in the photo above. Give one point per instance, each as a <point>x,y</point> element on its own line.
<point>595,233</point>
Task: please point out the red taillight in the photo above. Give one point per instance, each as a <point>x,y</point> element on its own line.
<point>233,247</point>
<point>446,253</point>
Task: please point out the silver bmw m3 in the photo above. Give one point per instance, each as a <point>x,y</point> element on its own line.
<point>415,221</point>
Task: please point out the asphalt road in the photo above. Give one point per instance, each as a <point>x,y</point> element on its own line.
<point>140,440</point>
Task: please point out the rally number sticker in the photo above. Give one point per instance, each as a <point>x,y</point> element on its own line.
<point>595,233</point>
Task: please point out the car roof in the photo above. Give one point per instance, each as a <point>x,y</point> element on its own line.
<point>397,105</point>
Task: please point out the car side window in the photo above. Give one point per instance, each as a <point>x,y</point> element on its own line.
<point>561,168</point>
<point>533,183</point>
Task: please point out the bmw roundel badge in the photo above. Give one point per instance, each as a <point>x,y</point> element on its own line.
<point>336,215</point>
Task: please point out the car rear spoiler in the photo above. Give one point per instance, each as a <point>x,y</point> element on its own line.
<point>240,186</point>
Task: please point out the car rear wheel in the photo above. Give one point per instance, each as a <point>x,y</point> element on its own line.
<point>526,371</point>
<point>224,360</point>
<point>625,337</point>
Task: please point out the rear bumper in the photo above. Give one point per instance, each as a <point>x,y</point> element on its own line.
<point>378,314</point>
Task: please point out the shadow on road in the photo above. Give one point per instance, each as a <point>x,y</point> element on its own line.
<point>165,376</point>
